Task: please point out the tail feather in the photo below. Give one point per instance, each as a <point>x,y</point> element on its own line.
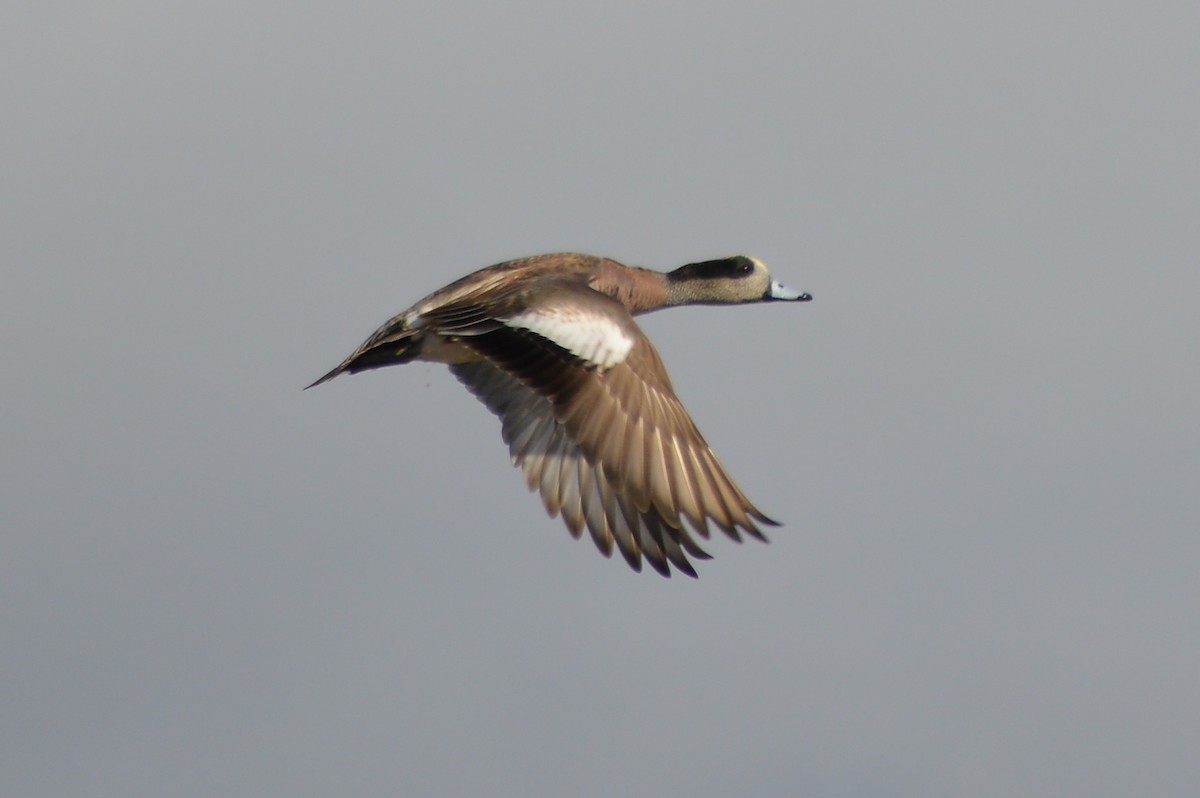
<point>391,345</point>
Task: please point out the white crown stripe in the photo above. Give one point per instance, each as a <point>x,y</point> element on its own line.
<point>594,338</point>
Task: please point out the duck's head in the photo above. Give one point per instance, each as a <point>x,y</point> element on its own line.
<point>727,281</point>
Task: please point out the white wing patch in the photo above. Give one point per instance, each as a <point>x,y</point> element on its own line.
<point>593,337</point>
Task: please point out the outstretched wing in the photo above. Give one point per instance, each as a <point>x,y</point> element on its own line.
<point>590,416</point>
<point>555,466</point>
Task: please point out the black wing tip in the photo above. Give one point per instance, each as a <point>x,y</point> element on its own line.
<point>765,520</point>
<point>757,534</point>
<point>661,568</point>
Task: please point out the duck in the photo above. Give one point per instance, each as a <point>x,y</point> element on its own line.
<point>549,345</point>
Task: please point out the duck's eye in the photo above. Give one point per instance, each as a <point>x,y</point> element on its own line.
<point>744,268</point>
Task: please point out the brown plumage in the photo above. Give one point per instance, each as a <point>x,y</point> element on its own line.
<point>549,344</point>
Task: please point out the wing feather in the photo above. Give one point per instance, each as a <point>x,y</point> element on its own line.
<point>607,444</point>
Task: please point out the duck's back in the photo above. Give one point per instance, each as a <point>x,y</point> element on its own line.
<point>497,283</point>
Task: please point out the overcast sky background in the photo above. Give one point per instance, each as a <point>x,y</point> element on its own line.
<point>982,436</point>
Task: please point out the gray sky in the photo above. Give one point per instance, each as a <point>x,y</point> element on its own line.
<point>982,435</point>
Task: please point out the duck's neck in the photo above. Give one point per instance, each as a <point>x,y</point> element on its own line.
<point>640,290</point>
<point>684,292</point>
<point>686,289</point>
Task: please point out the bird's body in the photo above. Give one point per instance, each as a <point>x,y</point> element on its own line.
<point>549,344</point>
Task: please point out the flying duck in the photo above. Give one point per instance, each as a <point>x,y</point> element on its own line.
<point>549,344</point>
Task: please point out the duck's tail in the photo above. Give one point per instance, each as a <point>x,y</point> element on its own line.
<point>392,344</point>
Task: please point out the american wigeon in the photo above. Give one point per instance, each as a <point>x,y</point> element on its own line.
<point>549,344</point>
